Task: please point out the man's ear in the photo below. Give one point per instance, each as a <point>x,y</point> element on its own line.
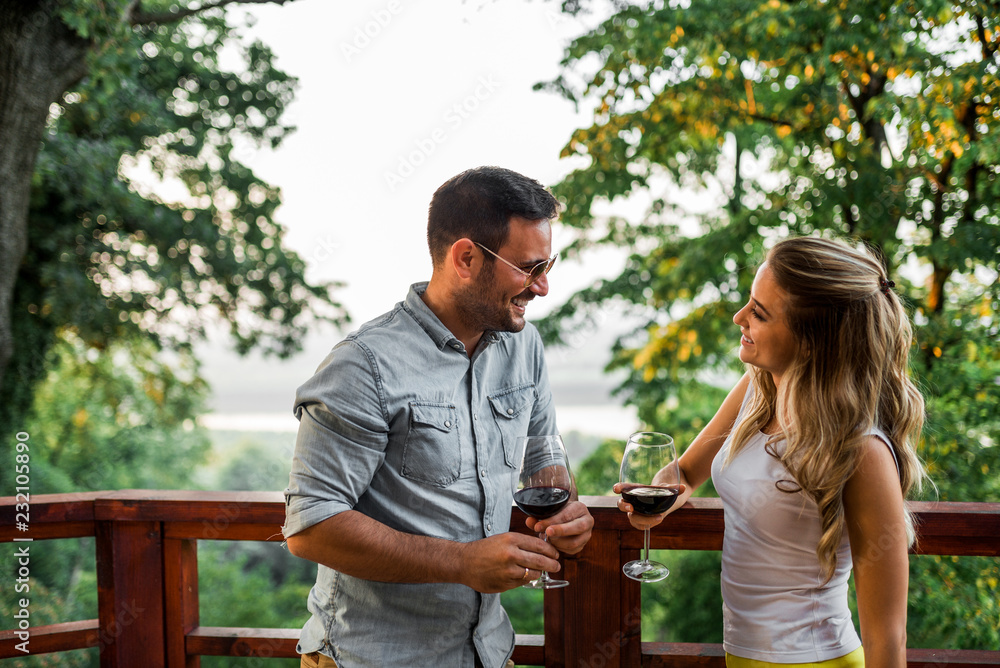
<point>464,258</point>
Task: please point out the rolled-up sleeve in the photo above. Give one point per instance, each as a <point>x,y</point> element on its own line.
<point>343,433</point>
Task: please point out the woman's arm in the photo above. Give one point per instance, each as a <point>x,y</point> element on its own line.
<point>875,515</point>
<point>696,462</point>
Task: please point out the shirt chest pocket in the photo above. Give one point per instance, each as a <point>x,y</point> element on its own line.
<point>431,453</point>
<point>512,414</point>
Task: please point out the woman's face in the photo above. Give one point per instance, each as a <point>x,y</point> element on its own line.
<point>767,342</point>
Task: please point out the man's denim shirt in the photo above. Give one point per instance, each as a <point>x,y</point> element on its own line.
<point>400,424</point>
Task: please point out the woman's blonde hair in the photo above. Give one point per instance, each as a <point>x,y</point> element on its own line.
<point>850,374</point>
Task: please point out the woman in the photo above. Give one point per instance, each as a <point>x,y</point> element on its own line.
<point>812,454</point>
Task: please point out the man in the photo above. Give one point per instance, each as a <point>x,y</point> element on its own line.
<point>407,452</point>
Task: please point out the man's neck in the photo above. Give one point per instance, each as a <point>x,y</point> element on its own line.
<point>442,306</point>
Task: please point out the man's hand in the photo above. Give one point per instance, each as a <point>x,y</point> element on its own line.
<point>505,561</point>
<point>569,529</point>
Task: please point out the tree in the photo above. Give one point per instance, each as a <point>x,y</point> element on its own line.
<point>137,218</point>
<point>118,418</point>
<point>875,121</point>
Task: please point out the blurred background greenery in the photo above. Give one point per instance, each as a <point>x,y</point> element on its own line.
<point>875,121</point>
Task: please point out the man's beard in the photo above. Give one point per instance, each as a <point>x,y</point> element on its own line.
<point>482,308</point>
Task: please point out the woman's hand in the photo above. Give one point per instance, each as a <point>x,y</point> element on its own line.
<point>643,522</point>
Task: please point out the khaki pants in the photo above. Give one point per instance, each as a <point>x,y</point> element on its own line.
<point>317,660</point>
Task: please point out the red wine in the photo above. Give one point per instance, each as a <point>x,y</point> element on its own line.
<point>541,502</point>
<point>647,500</point>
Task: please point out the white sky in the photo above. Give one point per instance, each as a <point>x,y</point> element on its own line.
<point>422,90</point>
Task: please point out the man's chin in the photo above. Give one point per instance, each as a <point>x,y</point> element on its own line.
<point>515,324</point>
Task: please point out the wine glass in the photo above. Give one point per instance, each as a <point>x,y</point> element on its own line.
<point>649,483</point>
<point>543,487</point>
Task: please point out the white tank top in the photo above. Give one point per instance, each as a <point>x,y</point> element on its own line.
<point>775,605</point>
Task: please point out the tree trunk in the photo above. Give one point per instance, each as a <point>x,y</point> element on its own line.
<point>40,58</point>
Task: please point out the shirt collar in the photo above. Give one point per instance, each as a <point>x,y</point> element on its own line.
<point>441,335</point>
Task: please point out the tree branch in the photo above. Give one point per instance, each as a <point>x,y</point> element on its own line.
<point>768,119</point>
<point>136,17</point>
<point>988,51</point>
<point>875,86</point>
<point>735,202</point>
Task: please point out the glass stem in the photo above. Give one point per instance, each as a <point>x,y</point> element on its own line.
<point>645,546</point>
<point>544,577</point>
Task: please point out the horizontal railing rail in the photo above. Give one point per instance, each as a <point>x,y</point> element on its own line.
<point>147,579</point>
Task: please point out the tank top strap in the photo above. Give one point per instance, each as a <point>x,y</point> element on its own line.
<point>880,435</point>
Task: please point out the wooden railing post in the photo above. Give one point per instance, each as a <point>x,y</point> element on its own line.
<point>130,593</point>
<point>598,625</point>
<point>180,591</point>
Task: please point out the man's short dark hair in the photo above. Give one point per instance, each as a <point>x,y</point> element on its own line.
<point>478,204</point>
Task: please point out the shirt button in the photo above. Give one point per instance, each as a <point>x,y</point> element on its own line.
<point>510,411</point>
<point>483,473</point>
<point>475,417</point>
<point>456,346</point>
<point>447,423</point>
<point>489,527</point>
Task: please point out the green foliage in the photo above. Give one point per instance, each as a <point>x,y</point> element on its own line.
<point>117,418</point>
<point>597,474</point>
<point>58,601</point>
<point>145,228</point>
<point>235,579</point>
<point>524,608</point>
<point>240,574</point>
<point>686,414</point>
<point>874,121</point>
<point>100,21</point>
<point>164,110</point>
<point>794,119</point>
<point>682,418</point>
<point>960,386</point>
<point>953,602</point>
<point>688,605</point>
<point>143,220</point>
<point>63,588</point>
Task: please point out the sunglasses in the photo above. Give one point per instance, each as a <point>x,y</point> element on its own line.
<point>532,274</point>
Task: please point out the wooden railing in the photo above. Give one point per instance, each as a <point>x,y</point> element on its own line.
<point>147,576</point>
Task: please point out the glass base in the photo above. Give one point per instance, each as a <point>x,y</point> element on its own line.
<point>545,582</point>
<point>645,571</point>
